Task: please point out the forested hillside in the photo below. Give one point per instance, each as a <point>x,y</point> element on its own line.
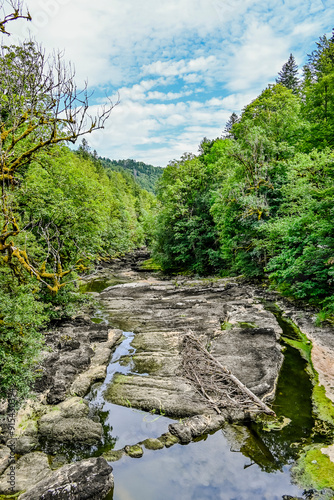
<point>260,200</point>
<point>145,175</point>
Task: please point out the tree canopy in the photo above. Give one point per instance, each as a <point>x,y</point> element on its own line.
<point>40,107</point>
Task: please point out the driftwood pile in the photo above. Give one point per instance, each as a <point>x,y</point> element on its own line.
<point>214,382</point>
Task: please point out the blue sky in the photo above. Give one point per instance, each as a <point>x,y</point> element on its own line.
<point>181,67</point>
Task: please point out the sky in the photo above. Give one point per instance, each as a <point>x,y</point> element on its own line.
<point>179,67</point>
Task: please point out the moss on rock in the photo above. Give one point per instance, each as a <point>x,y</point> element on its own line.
<point>134,451</point>
<point>314,469</point>
<point>113,455</point>
<point>168,439</point>
<point>153,444</point>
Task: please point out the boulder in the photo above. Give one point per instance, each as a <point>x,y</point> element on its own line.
<point>4,457</point>
<point>135,451</point>
<point>68,422</point>
<point>196,426</point>
<point>28,470</point>
<point>83,382</point>
<point>90,479</point>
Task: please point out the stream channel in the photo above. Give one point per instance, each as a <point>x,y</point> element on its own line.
<point>237,462</point>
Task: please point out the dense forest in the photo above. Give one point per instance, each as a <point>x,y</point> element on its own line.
<point>145,175</point>
<point>259,201</point>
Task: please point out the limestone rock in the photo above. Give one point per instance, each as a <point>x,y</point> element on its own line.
<point>29,469</point>
<point>68,422</point>
<point>88,479</point>
<point>26,444</point>
<point>153,444</point>
<point>168,439</point>
<point>196,426</point>
<point>114,455</point>
<point>83,382</point>
<point>4,457</point>
<point>135,451</point>
<point>162,312</point>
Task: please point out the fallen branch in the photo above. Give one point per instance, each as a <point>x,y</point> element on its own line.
<point>218,381</point>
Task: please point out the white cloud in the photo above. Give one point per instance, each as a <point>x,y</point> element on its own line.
<point>179,68</point>
<point>163,57</point>
<point>169,96</point>
<point>255,60</point>
<point>134,124</point>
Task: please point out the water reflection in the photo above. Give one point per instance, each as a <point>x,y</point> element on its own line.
<point>201,470</point>
<point>240,462</point>
<point>123,425</point>
<point>293,400</point>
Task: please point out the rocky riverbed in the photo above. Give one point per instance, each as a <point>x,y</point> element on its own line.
<point>230,319</point>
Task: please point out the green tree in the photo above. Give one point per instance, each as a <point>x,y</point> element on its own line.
<point>300,238</point>
<point>288,76</point>
<point>39,107</point>
<point>229,125</point>
<point>186,235</point>
<point>267,134</point>
<point>318,90</point>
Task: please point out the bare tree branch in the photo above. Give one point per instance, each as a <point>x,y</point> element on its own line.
<point>15,6</point>
<point>215,382</point>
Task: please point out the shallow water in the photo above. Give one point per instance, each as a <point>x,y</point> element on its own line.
<point>123,425</point>
<point>235,463</point>
<point>238,462</point>
<point>207,469</point>
<point>100,284</point>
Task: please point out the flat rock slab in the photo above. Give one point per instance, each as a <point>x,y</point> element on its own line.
<point>253,355</point>
<point>224,316</point>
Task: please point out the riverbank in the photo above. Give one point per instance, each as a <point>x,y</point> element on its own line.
<point>227,316</point>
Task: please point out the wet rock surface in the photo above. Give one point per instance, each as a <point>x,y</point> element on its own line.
<point>72,352</point>
<point>78,356</point>
<point>29,469</point>
<point>223,315</point>
<point>4,457</point>
<point>194,427</point>
<point>68,422</point>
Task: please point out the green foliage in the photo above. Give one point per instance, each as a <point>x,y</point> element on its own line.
<point>186,234</point>
<point>288,76</point>
<point>69,206</point>
<point>303,232</point>
<point>21,317</point>
<point>60,210</point>
<point>145,175</point>
<point>318,89</point>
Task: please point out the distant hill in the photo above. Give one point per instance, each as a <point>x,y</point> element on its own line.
<point>145,175</point>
